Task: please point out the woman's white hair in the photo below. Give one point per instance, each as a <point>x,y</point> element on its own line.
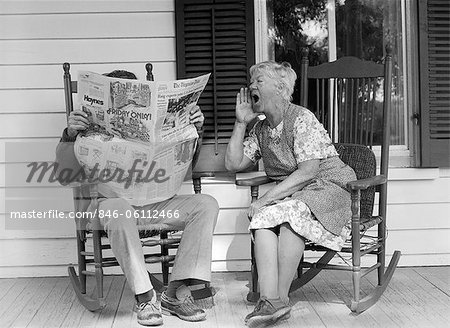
<point>281,72</point>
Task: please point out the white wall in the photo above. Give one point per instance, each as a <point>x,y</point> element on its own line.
<point>36,37</point>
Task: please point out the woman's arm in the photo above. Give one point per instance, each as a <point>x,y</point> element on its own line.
<point>235,160</point>
<point>234,157</point>
<point>305,172</point>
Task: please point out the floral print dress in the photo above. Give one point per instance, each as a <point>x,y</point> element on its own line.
<point>320,212</point>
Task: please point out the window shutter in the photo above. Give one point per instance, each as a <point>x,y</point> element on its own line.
<point>217,37</point>
<point>434,47</point>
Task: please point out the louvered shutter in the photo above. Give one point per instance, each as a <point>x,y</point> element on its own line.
<point>434,47</point>
<point>217,37</point>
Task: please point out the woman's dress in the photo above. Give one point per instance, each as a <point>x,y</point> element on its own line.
<point>320,212</point>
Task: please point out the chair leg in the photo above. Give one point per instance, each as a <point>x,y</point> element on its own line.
<point>98,262</point>
<point>372,298</point>
<point>79,281</point>
<point>92,304</point>
<point>384,277</point>
<point>356,279</point>
<point>253,294</point>
<point>164,264</point>
<point>381,256</point>
<point>300,268</point>
<point>81,246</point>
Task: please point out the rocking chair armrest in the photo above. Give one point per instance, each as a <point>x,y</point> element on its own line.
<point>363,184</point>
<point>254,182</point>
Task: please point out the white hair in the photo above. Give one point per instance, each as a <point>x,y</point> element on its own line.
<point>281,72</point>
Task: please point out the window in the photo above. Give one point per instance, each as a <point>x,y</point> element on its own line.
<point>331,29</point>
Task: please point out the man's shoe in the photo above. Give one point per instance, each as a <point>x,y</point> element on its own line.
<point>184,309</point>
<point>149,313</point>
<point>265,313</point>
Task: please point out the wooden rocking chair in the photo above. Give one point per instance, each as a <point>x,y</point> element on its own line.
<point>345,103</point>
<point>83,195</point>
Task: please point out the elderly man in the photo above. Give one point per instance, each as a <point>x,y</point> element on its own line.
<point>197,218</point>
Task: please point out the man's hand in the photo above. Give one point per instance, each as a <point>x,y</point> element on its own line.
<point>77,122</point>
<point>244,111</point>
<point>196,117</point>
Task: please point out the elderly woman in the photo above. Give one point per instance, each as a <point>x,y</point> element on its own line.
<point>309,200</point>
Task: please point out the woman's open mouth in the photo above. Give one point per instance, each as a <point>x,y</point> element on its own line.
<point>255,98</point>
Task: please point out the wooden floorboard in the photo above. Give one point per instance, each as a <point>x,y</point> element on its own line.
<point>124,316</point>
<point>5,286</point>
<point>417,290</point>
<point>13,292</point>
<point>436,277</point>
<point>416,297</point>
<point>31,304</point>
<point>60,298</point>
<point>26,302</point>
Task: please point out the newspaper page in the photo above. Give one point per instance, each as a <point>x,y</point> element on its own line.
<point>139,144</point>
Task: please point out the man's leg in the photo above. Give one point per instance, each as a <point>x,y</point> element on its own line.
<point>196,215</point>
<point>125,244</point>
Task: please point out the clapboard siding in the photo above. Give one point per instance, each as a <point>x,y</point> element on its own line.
<point>30,101</point>
<point>50,76</point>
<point>127,50</point>
<point>36,125</point>
<point>33,7</point>
<point>42,251</point>
<point>95,26</point>
<point>17,150</point>
<point>36,37</point>
<point>50,257</point>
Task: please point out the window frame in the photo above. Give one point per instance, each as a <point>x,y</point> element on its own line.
<point>400,155</point>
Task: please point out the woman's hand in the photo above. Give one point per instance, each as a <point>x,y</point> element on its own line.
<point>256,206</point>
<point>196,117</point>
<point>244,111</point>
<point>77,122</point>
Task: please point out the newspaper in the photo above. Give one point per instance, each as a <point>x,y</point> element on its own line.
<point>139,143</point>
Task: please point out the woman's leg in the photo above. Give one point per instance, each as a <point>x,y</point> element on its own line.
<point>266,253</point>
<point>269,308</point>
<point>290,250</point>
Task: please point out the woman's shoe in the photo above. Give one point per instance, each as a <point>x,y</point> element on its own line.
<point>265,313</point>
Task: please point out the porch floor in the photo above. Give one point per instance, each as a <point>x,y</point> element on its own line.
<point>416,297</point>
